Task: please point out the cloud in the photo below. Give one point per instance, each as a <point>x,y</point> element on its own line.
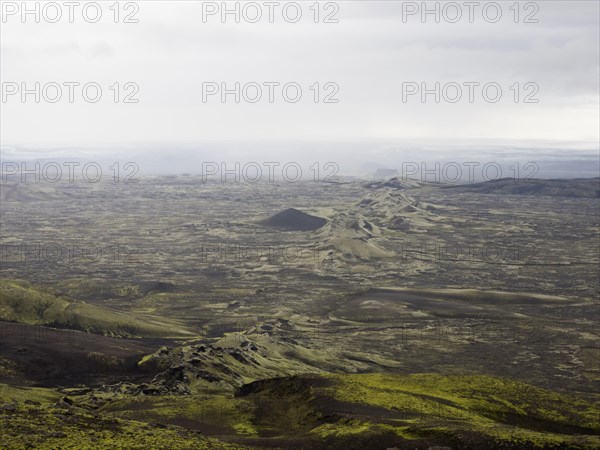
<point>101,49</point>
<point>368,54</point>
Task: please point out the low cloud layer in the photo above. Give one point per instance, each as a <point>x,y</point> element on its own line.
<point>366,57</point>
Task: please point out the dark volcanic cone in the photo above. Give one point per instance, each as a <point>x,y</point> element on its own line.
<point>292,219</point>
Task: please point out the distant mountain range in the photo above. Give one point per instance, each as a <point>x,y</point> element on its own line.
<point>579,188</point>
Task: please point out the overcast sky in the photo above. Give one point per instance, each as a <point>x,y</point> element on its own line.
<point>368,53</point>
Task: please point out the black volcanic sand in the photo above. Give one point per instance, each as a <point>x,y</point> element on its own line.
<point>50,357</point>
<point>295,220</point>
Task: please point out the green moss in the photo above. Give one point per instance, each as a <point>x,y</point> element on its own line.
<point>56,428</point>
<point>8,368</point>
<point>222,411</point>
<point>499,408</point>
<point>28,304</point>
<point>145,359</point>
<point>343,428</point>
<point>20,301</point>
<point>426,407</point>
<point>21,394</point>
<point>246,429</point>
